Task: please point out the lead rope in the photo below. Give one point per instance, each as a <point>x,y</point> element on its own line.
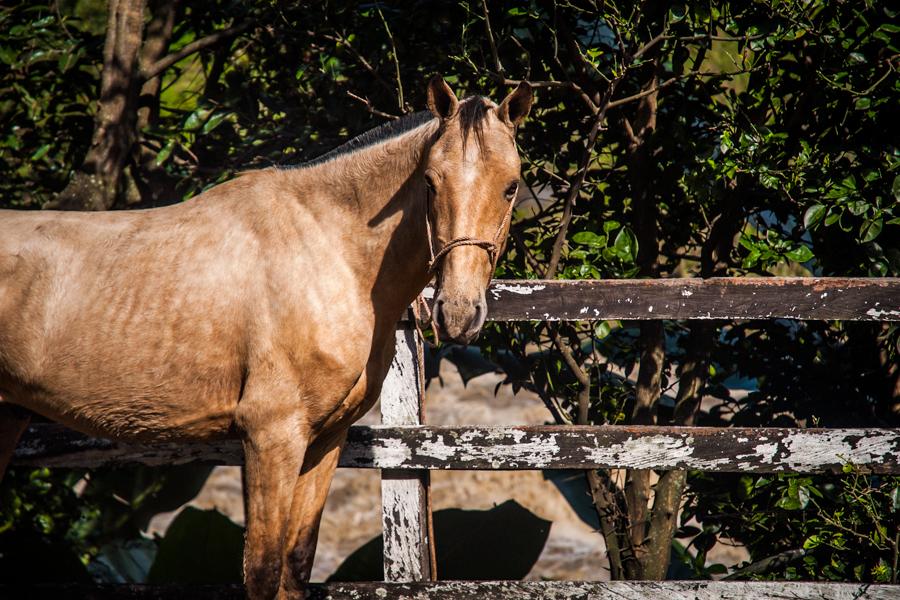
<point>420,306</point>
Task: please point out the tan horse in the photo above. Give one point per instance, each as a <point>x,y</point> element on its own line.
<point>265,307</point>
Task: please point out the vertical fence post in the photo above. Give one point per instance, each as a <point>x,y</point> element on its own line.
<point>405,505</point>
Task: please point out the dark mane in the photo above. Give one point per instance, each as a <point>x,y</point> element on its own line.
<point>383,132</point>
<point>472,113</point>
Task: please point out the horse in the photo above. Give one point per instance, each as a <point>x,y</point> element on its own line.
<point>263,308</point>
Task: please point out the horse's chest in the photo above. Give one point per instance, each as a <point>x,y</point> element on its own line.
<point>360,388</point>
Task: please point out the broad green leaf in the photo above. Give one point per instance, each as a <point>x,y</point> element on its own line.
<point>214,121</point>
<point>870,229</point>
<point>589,238</point>
<point>857,207</point>
<point>813,215</point>
<point>602,329</point>
<point>626,244</point>
<point>800,254</point>
<point>166,151</point>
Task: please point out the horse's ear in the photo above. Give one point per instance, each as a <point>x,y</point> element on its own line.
<point>441,99</point>
<point>515,107</point>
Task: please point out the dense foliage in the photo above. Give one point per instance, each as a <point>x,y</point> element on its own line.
<point>667,140</point>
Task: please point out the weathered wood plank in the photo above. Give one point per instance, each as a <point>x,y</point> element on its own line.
<point>404,494</point>
<point>760,450</point>
<point>810,298</point>
<point>643,447</point>
<point>480,590</point>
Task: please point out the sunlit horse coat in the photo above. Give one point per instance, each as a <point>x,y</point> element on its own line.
<point>263,308</point>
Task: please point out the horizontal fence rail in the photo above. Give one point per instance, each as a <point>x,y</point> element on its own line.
<point>480,590</point>
<point>759,450</point>
<point>808,298</point>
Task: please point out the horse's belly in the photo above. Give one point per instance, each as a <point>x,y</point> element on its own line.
<point>157,416</point>
<point>137,406</point>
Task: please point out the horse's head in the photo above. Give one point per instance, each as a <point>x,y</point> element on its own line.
<point>472,178</point>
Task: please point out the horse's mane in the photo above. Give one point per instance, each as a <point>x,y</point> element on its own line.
<point>472,113</point>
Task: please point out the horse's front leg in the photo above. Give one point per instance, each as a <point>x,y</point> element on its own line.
<point>274,433</point>
<point>310,493</point>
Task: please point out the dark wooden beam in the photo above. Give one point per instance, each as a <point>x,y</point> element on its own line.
<point>478,590</point>
<point>759,450</point>
<point>808,298</point>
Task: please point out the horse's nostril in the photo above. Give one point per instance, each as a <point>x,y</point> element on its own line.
<point>479,312</point>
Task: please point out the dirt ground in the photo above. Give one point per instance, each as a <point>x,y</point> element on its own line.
<point>574,551</point>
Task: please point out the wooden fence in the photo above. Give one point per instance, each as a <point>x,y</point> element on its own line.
<point>406,450</point>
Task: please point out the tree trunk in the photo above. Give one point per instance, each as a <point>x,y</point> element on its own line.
<point>101,181</point>
<point>155,184</point>
<point>715,256</point>
<point>652,339</point>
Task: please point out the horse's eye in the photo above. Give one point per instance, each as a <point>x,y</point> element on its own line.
<point>429,183</point>
<point>512,190</point>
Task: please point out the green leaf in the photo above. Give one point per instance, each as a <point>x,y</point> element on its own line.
<point>214,121</point>
<point>800,254</point>
<point>895,188</point>
<point>813,215</point>
<point>40,152</point>
<point>166,151</point>
<point>196,119</point>
<point>751,259</point>
<point>610,225</point>
<point>870,229</point>
<point>602,329</point>
<point>589,238</point>
<point>625,244</point>
<point>857,207</point>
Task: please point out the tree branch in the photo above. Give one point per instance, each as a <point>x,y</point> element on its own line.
<point>400,102</point>
<point>490,35</point>
<point>574,189</point>
<point>371,108</point>
<point>197,45</point>
<point>564,85</point>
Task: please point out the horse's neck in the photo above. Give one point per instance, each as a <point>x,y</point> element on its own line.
<point>382,192</point>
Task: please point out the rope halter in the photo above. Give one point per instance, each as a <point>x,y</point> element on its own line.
<point>492,247</point>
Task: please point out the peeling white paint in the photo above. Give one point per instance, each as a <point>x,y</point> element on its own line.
<point>879,313</point>
<point>391,453</point>
<point>810,452</point>
<point>522,290</point>
<point>659,451</point>
<point>764,453</point>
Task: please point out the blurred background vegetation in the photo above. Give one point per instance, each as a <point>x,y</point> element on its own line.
<point>667,140</point>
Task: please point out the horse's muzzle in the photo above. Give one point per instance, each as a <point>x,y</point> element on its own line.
<point>458,320</point>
